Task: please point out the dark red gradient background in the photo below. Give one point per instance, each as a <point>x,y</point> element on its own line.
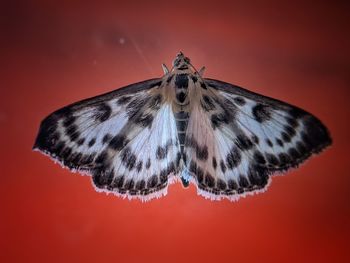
<point>56,53</point>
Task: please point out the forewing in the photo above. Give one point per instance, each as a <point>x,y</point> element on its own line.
<point>237,139</point>
<point>115,138</point>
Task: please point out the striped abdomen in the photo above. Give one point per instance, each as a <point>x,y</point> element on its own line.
<point>181,118</point>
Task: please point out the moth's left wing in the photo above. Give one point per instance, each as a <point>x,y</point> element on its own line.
<point>236,139</point>
<point>125,139</point>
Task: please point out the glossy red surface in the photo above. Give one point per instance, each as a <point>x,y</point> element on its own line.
<point>53,54</point>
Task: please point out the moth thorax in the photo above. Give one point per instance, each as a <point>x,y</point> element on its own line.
<point>181,88</point>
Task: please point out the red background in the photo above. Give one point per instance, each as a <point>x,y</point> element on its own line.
<point>53,54</point>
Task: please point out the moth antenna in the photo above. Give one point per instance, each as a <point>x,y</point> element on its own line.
<point>165,69</point>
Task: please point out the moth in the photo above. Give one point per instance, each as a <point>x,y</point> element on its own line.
<point>138,139</point>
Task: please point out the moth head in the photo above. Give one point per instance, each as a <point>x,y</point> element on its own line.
<point>181,62</point>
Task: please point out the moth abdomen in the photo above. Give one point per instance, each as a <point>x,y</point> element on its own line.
<point>182,118</point>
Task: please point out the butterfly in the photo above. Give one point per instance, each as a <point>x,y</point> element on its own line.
<point>138,139</point>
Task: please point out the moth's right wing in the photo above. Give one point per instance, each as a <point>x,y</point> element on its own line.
<point>125,139</point>
<point>236,139</point>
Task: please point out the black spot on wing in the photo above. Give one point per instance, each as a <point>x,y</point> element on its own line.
<point>81,141</point>
<point>221,184</point>
<point>128,158</point>
<point>279,142</point>
<point>57,148</point>
<point>232,185</point>
<point>161,152</point>
<point>145,120</point>
<point>233,158</point>
<point>199,174</point>
<point>239,101</point>
<point>222,166</point>
<point>163,176</point>
<point>102,178</point>
<point>140,185</point>
<point>136,105</point>
<point>272,159</point>
<point>171,168</point>
<point>75,159</point>
<point>229,108</point>
<point>219,119</point>
<point>255,139</point>
<point>193,167</point>
<point>290,131</point>
<point>91,142</point>
<point>69,120</point>
<point>258,176</point>
<point>66,153</point>
<point>72,132</point>
<point>102,158</point>
<point>152,181</point>
<point>207,103</point>
<point>292,122</point>
<point>243,142</point>
<point>209,180</point>
<point>86,160</point>
<point>285,137</point>
<point>284,160</point>
<point>202,152</point>
<point>155,102</point>
<point>139,166</point>
<point>214,162</point>
<point>259,158</point>
<point>261,112</point>
<point>106,138</point>
<point>103,112</point>
<point>118,182</point>
<point>118,142</point>
<point>243,182</point>
<point>294,153</point>
<point>124,100</point>
<point>196,171</point>
<point>129,185</point>
<point>269,143</point>
<point>148,163</point>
